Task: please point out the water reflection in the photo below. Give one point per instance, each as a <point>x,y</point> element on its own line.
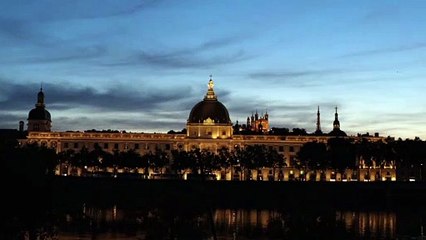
<point>145,223</point>
<point>82,221</point>
<point>374,225</point>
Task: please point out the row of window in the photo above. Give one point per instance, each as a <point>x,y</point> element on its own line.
<point>77,145</point>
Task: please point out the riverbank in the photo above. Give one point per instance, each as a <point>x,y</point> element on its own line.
<point>239,194</point>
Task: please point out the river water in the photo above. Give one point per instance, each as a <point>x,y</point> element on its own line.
<point>173,222</point>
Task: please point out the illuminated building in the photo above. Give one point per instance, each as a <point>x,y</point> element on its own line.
<point>258,124</point>
<point>209,127</point>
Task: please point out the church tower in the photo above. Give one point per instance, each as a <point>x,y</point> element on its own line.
<point>336,123</point>
<point>318,131</point>
<point>336,127</point>
<point>39,118</point>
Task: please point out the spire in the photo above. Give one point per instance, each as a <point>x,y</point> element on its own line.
<point>210,92</point>
<point>318,131</point>
<point>40,98</point>
<point>336,123</point>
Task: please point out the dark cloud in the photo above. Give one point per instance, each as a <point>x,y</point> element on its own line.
<point>120,98</point>
<point>378,51</point>
<point>118,123</point>
<point>78,53</point>
<point>11,120</point>
<point>24,33</point>
<point>115,108</point>
<point>205,55</point>
<point>305,78</point>
<point>282,75</point>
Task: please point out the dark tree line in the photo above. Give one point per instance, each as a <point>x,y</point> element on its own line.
<point>343,153</point>
<point>196,160</point>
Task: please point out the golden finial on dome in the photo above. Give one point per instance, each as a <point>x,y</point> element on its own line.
<point>210,92</point>
<point>211,83</point>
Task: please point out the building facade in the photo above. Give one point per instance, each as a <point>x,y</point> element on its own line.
<point>209,127</point>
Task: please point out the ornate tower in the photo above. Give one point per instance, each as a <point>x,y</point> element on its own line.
<point>336,123</point>
<point>39,118</point>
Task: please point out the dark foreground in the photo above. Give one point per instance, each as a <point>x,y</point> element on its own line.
<point>166,209</point>
<point>240,194</point>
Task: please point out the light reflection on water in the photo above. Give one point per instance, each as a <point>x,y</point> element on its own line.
<point>119,223</point>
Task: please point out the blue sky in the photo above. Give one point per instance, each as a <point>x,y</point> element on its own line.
<point>142,65</point>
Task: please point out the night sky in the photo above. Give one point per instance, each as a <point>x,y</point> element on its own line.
<point>142,65</point>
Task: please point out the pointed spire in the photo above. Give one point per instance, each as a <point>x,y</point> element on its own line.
<point>318,131</point>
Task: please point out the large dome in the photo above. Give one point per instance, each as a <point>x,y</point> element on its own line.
<point>39,113</point>
<point>212,109</point>
<point>209,108</point>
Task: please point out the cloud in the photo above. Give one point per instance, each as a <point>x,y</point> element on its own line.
<point>305,78</point>
<point>378,51</point>
<point>118,123</point>
<point>15,31</point>
<point>54,56</point>
<point>117,107</point>
<point>208,54</point>
<point>119,98</point>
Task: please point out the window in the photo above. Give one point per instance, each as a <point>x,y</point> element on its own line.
<point>96,145</point>
<point>291,149</point>
<point>105,145</point>
<point>136,145</point>
<point>167,146</point>
<point>281,148</point>
<point>224,133</point>
<point>116,145</point>
<point>65,145</point>
<point>75,145</point>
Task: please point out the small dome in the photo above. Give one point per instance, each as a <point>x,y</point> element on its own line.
<point>39,113</point>
<point>212,109</point>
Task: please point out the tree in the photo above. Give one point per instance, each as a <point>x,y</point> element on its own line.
<point>341,152</point>
<point>313,155</point>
